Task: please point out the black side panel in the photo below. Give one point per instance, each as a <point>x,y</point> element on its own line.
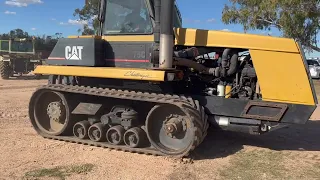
<point>77,52</point>
<point>129,54</point>
<point>268,111</point>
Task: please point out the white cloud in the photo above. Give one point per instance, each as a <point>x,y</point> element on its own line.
<point>74,22</point>
<point>10,12</point>
<point>211,20</point>
<point>226,30</point>
<point>53,19</point>
<point>33,29</point>
<point>22,3</point>
<point>77,22</point>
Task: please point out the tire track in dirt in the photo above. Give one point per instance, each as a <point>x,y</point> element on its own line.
<point>18,87</point>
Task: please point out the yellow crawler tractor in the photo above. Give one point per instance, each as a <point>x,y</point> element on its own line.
<point>144,84</point>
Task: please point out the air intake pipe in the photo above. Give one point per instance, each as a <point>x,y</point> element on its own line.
<point>166,34</point>
<point>229,65</point>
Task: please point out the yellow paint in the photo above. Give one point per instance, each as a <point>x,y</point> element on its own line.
<point>86,36</point>
<point>103,72</point>
<point>282,77</point>
<point>227,91</point>
<point>278,62</point>
<point>212,38</point>
<point>121,38</point>
<point>197,37</point>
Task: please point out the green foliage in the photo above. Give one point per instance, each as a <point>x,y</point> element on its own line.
<point>297,19</point>
<point>89,13</point>
<point>45,43</point>
<point>16,33</point>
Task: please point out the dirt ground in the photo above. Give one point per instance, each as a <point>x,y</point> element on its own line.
<point>290,153</point>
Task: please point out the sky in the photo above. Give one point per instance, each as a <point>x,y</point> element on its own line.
<point>48,17</point>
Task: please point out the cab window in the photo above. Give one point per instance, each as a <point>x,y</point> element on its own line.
<point>127,17</point>
<point>177,18</point>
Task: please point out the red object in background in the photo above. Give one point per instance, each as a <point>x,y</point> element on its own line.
<point>216,56</point>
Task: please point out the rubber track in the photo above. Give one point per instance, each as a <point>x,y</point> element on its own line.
<point>192,108</point>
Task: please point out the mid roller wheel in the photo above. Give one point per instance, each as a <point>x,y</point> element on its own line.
<point>97,132</point>
<point>134,137</point>
<point>80,129</point>
<point>115,135</point>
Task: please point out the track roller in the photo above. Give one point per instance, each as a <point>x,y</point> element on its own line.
<point>97,132</point>
<point>115,135</point>
<point>80,129</point>
<point>134,137</point>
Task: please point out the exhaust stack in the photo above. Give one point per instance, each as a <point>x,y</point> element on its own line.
<point>166,34</point>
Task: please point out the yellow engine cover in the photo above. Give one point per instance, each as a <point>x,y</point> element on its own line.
<point>280,64</point>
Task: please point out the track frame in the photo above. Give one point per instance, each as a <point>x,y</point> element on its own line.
<point>190,106</point>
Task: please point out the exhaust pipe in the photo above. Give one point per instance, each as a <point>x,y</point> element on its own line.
<point>232,64</point>
<point>166,34</point>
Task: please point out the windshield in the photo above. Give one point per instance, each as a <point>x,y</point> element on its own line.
<point>127,17</point>
<point>313,63</point>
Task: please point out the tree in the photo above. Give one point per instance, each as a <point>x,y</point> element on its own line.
<point>18,33</point>
<point>297,19</point>
<point>89,13</point>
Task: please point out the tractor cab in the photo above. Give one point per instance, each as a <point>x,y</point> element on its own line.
<point>133,17</point>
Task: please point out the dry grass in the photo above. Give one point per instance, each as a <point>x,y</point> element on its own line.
<point>268,164</point>
<point>60,172</point>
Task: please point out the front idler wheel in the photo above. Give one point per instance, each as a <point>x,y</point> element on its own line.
<point>96,132</point>
<point>51,113</point>
<point>115,135</point>
<point>134,137</point>
<point>80,129</point>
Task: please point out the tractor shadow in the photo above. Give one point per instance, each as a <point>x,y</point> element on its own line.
<point>221,144</point>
